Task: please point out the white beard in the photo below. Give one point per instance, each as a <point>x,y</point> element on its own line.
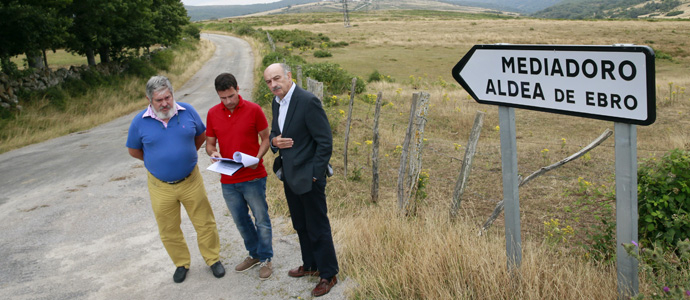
<point>165,116</point>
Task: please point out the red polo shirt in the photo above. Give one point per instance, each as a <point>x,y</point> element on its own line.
<point>238,131</point>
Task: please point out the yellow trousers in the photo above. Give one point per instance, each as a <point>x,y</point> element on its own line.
<point>165,201</point>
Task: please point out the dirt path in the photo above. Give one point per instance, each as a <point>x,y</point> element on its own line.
<point>76,220</point>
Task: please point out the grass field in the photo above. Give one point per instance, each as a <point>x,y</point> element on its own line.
<point>56,59</point>
<point>430,257</point>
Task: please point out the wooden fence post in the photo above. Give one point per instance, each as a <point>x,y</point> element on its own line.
<point>316,88</point>
<point>410,168</point>
<point>461,184</point>
<point>349,123</point>
<point>375,153</point>
<point>270,42</point>
<point>415,164</point>
<point>403,156</point>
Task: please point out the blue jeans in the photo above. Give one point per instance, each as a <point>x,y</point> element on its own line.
<point>242,196</point>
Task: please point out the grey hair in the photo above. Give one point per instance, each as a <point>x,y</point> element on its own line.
<point>158,83</point>
<point>285,67</point>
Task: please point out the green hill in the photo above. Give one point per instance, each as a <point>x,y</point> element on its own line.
<point>611,9</point>
<point>212,12</point>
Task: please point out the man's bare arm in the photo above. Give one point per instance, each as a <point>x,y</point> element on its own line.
<point>136,153</point>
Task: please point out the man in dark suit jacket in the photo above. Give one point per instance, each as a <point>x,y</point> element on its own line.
<point>301,132</point>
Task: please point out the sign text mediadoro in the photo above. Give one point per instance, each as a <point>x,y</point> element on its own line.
<point>614,83</point>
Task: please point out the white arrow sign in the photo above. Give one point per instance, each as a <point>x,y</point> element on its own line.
<point>603,82</point>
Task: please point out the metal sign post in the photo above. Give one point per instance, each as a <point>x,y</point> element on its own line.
<point>626,207</point>
<point>614,83</point>
<point>511,196</point>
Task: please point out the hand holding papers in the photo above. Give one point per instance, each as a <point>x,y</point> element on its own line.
<point>229,166</point>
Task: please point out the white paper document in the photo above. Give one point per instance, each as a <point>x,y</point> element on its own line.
<point>230,166</point>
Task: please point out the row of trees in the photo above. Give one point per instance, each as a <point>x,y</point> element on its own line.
<point>107,28</point>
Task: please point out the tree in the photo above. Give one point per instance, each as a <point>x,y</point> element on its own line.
<point>31,27</point>
<point>88,32</point>
<point>169,18</point>
<point>110,28</point>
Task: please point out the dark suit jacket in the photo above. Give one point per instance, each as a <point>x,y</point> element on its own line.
<point>306,123</point>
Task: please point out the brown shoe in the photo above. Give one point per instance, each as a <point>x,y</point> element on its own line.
<point>324,286</point>
<point>247,264</point>
<point>266,270</point>
<point>300,272</point>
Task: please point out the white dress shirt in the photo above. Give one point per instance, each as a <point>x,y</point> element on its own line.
<point>284,103</point>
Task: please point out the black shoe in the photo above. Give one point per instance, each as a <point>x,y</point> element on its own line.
<point>180,274</point>
<point>218,269</point>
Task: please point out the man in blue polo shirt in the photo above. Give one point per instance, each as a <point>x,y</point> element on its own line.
<point>167,136</point>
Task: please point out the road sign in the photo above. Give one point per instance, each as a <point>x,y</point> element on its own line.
<point>615,83</point>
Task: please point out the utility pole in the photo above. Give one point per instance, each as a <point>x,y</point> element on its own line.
<point>346,17</point>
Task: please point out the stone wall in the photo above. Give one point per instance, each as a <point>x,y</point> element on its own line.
<point>42,79</point>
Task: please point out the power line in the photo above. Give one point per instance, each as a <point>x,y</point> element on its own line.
<point>346,17</point>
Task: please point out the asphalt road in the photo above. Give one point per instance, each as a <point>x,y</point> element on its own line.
<point>76,220</point>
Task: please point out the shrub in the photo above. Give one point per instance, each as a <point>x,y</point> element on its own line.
<point>262,95</point>
<point>323,38</point>
<point>192,31</point>
<point>57,97</point>
<point>336,80</point>
<point>668,272</point>
<point>322,53</point>
<point>375,76</point>
<point>75,87</point>
<point>674,13</point>
<point>5,113</point>
<point>93,77</point>
<point>594,214</point>
<point>282,55</point>
<point>162,60</point>
<point>301,43</point>
<point>336,44</point>
<point>664,199</point>
<point>244,29</point>
<point>140,68</point>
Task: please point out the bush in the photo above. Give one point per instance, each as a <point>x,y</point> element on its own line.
<point>664,199</point>
<point>92,77</point>
<point>57,97</point>
<point>374,76</point>
<point>140,68</point>
<point>262,95</point>
<point>162,60</point>
<point>192,31</point>
<point>282,55</point>
<point>322,53</point>
<point>594,210</point>
<point>244,29</point>
<point>336,44</point>
<point>336,80</point>
<point>668,272</point>
<point>75,87</point>
<point>301,43</point>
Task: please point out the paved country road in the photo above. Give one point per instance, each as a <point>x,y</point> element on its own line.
<point>76,220</point>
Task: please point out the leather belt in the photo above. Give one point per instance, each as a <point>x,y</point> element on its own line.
<point>178,181</point>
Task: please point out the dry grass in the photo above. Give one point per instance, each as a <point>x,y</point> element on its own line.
<point>428,257</point>
<point>39,121</point>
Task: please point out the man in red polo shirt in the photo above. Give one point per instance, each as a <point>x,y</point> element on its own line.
<point>239,125</point>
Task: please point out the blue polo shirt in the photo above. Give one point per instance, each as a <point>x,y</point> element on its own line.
<point>169,152</point>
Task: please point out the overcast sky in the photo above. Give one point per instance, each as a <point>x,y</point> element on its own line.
<point>224,2</point>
